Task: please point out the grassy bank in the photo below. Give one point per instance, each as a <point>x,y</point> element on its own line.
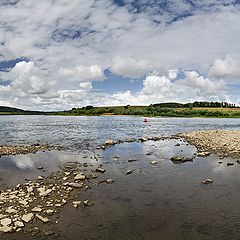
<point>150,111</point>
<point>205,109</point>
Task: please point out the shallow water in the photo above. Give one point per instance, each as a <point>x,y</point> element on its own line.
<point>80,133</point>
<point>162,201</point>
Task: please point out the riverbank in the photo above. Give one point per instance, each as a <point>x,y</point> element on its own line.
<point>225,142</point>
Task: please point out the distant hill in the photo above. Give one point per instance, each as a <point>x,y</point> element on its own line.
<point>11,111</point>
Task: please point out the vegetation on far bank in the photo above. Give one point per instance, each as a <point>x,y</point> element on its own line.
<point>196,109</point>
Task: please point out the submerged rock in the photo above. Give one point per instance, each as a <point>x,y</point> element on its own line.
<point>230,164</point>
<point>88,203</point>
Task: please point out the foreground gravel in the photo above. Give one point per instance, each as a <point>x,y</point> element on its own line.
<point>226,142</point>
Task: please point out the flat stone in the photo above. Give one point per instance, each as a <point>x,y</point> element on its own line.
<point>76,203</point>
<point>49,211</point>
<point>36,209</point>
<point>6,229</point>
<point>3,216</point>
<point>80,176</point>
<point>101,170</point>
<point>23,202</point>
<point>75,185</point>
<point>10,210</point>
<point>203,154</point>
<point>48,233</point>
<point>19,224</point>
<point>30,189</point>
<point>28,217</point>
<point>207,181</point>
<point>40,178</point>
<point>132,160</point>
<point>6,221</point>
<point>153,162</point>
<point>43,219</point>
<point>43,192</point>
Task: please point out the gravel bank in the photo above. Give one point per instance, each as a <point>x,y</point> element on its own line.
<point>226,142</point>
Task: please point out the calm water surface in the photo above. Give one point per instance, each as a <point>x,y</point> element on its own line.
<point>165,201</point>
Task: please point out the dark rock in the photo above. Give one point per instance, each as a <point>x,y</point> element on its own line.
<point>132,160</point>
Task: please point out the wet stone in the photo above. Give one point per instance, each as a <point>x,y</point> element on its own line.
<point>207,181</point>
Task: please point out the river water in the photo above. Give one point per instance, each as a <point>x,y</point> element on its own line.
<point>163,201</point>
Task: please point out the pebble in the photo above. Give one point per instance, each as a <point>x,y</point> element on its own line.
<point>129,172</point>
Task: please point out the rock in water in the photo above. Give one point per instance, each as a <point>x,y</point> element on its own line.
<point>207,181</point>
<point>100,170</point>
<point>153,162</point>
<point>43,219</point>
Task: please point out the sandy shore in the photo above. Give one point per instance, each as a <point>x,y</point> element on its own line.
<point>226,142</point>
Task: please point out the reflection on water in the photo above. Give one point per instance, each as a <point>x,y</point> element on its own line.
<point>162,201</point>
<point>15,169</point>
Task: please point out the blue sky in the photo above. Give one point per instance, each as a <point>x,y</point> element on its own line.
<point>61,54</point>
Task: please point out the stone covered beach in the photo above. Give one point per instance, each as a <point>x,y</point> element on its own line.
<point>226,142</point>
<point>35,207</point>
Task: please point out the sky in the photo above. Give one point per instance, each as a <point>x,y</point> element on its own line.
<point>60,54</point>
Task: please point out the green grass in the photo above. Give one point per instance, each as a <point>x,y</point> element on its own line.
<point>155,112</point>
